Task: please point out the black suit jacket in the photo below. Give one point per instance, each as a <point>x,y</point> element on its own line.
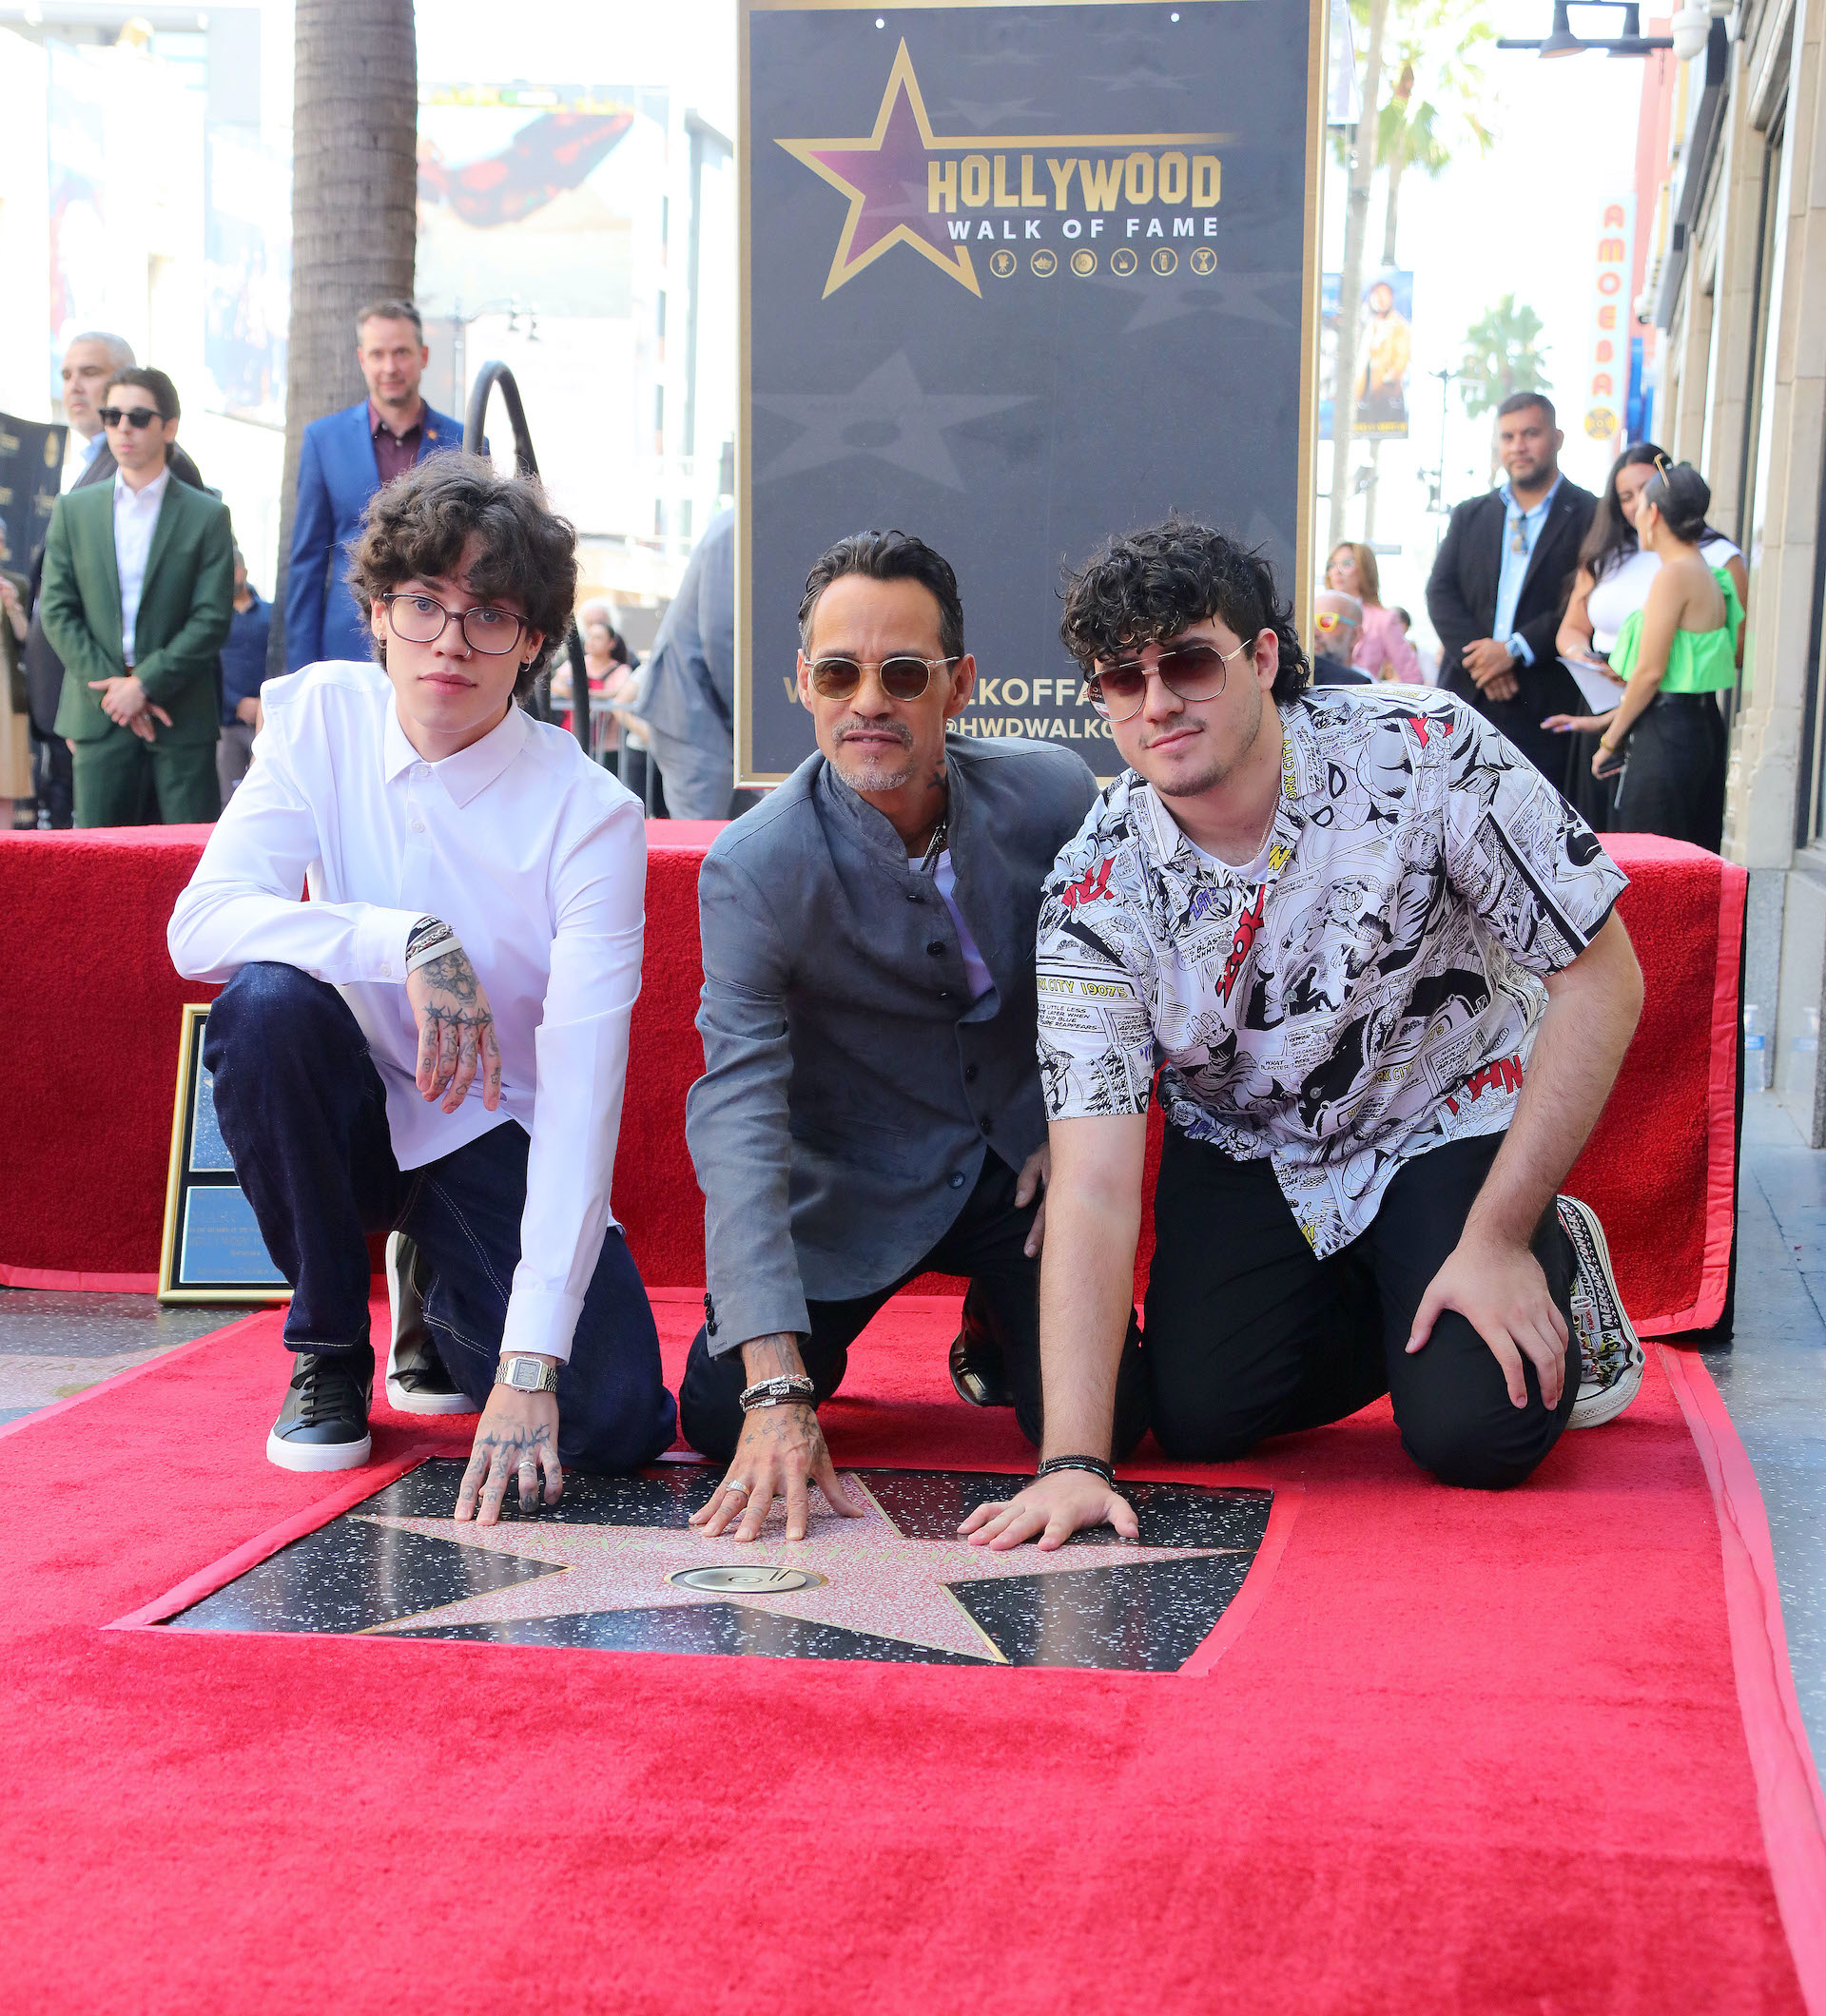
<point>1461,598</point>
<point>44,668</point>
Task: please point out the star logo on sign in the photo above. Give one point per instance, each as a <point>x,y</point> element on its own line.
<point>884,179</point>
<point>885,176</point>
<point>889,415</point>
<point>861,1575</point>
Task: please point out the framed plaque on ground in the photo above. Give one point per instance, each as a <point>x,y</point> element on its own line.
<point>212,1251</point>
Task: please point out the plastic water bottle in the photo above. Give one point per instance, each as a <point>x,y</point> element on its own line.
<point>1753,1036</point>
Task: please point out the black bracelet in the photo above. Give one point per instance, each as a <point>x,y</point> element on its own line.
<point>1095,1465</point>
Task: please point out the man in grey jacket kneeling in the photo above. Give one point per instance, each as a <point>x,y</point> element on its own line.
<point>870,1106</point>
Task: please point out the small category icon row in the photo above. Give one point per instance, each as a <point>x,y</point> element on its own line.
<point>1124,260</point>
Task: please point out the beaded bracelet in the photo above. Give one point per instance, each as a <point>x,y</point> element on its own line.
<point>1095,1465</point>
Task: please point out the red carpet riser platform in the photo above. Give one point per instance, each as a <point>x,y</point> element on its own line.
<point>1443,1751</point>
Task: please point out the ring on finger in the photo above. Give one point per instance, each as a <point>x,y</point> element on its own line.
<point>735,1484</point>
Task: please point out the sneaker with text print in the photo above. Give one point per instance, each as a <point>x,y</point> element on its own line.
<point>1610,1354</point>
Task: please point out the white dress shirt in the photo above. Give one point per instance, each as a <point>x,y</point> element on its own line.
<point>136,518</point>
<point>535,857</point>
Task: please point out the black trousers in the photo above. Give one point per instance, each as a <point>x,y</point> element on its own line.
<point>1673,781</point>
<point>984,1242</point>
<point>1250,1335</point>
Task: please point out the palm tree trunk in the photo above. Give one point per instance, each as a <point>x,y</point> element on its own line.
<point>355,126</point>
<point>1397,160</point>
<point>1357,228</point>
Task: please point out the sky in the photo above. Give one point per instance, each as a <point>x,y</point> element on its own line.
<point>1519,219</point>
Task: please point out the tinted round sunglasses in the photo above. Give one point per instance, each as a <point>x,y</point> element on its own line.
<point>1194,671</point>
<point>902,677</point>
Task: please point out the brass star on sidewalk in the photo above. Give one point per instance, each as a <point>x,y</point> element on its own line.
<point>865,1575</point>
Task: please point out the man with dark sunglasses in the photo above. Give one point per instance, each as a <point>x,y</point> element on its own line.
<point>871,1106</point>
<point>435,1043</point>
<point>137,599</point>
<point>1377,952</point>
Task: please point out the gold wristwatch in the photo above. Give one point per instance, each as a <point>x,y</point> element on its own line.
<point>526,1374</point>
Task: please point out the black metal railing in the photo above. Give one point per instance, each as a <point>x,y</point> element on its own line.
<point>527,463</point>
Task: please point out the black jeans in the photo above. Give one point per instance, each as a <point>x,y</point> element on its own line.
<point>984,1242</point>
<point>1250,1335</point>
<point>1673,781</point>
<point>305,1115</point>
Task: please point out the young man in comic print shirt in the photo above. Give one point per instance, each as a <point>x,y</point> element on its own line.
<point>1378,956</point>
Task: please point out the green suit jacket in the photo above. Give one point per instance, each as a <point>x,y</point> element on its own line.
<point>184,610</point>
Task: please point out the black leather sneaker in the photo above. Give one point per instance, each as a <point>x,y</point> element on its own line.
<point>416,1381</point>
<point>323,1425</point>
<point>979,1364</point>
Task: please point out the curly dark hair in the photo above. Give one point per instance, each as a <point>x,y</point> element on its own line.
<point>1147,585</point>
<point>418,525</point>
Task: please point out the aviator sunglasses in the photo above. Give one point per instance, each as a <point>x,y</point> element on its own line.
<point>1194,671</point>
<point>903,676</point>
<point>132,416</point>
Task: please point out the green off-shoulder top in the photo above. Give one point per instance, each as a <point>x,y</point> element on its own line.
<point>1697,661</point>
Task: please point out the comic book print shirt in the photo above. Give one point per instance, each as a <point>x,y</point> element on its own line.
<point>1370,995</point>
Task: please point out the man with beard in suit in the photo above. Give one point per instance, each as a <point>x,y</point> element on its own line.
<point>1499,584</point>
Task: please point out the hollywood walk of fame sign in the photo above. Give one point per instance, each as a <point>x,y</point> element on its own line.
<point>617,1566</point>
<point>1017,276</point>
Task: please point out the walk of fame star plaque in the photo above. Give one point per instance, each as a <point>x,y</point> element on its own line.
<point>617,1566</point>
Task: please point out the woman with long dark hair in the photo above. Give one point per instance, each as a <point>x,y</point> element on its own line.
<point>1615,573</point>
<point>1676,654</point>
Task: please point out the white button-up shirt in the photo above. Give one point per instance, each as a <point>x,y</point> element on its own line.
<point>136,518</point>
<point>535,857</point>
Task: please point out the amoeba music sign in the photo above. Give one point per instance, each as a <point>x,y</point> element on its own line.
<point>1015,277</point>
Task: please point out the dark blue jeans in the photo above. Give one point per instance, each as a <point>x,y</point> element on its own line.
<point>305,1115</point>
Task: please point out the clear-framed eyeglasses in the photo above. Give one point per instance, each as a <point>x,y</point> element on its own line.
<point>418,618</point>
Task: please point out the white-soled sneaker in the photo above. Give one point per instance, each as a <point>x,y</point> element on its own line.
<point>416,1381</point>
<point>323,1425</point>
<point>1610,1354</point>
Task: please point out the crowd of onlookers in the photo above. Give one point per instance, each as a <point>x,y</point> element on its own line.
<point>133,644</point>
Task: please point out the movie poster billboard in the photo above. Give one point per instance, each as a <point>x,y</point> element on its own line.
<point>247,276</point>
<point>1017,278</point>
<point>528,194</point>
<point>1385,354</point>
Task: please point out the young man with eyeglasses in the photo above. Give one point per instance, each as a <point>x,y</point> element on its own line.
<point>435,1043</point>
<point>1378,956</point>
<point>137,598</point>
<point>870,1105</point>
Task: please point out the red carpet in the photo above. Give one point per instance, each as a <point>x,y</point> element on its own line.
<point>1469,1753</point>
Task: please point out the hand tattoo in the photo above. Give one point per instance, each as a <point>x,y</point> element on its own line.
<point>456,991</point>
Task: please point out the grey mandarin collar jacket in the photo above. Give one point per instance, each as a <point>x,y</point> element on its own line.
<point>851,1088</point>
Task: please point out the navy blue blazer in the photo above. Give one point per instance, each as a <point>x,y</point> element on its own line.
<point>337,474</point>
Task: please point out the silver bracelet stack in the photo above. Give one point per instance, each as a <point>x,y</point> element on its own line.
<point>430,940</point>
<point>788,1390</point>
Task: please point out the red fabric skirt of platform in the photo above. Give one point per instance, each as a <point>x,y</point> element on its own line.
<point>90,1002</point>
